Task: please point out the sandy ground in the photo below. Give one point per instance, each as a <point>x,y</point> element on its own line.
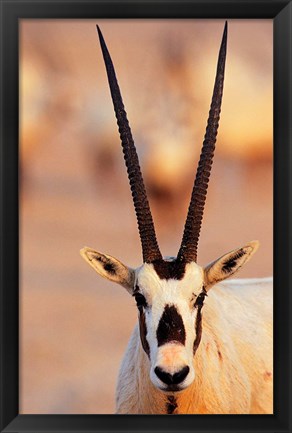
<point>74,326</point>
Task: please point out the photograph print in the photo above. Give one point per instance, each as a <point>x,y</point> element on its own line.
<point>146,149</point>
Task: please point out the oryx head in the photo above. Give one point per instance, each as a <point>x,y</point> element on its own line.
<point>169,292</point>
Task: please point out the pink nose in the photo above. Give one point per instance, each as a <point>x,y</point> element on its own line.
<point>172,379</point>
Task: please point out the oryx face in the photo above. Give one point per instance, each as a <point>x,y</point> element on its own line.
<point>169,309</point>
<point>169,293</point>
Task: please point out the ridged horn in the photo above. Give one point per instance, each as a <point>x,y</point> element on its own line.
<point>150,248</point>
<point>189,244</point>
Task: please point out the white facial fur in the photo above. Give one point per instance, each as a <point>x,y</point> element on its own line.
<point>172,356</point>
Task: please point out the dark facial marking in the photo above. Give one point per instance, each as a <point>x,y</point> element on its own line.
<point>170,327</point>
<point>199,305</point>
<point>171,404</point>
<point>198,329</point>
<point>143,331</point>
<point>166,270</point>
<point>229,264</point>
<point>137,288</point>
<point>200,300</point>
<point>140,300</point>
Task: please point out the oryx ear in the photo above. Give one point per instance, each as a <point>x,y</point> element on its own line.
<point>228,264</point>
<point>110,268</point>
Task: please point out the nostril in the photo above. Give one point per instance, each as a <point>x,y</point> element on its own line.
<point>163,376</point>
<point>181,375</point>
<point>172,379</point>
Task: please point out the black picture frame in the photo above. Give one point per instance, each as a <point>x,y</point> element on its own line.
<point>281,12</point>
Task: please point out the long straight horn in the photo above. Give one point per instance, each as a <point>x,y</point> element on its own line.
<point>149,243</point>
<point>189,245</point>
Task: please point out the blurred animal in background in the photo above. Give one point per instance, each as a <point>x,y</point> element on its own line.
<point>58,104</point>
<point>179,360</point>
<point>167,165</point>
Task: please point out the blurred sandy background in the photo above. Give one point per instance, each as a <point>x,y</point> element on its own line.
<point>74,188</point>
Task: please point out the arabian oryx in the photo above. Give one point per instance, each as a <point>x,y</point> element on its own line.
<point>202,346</point>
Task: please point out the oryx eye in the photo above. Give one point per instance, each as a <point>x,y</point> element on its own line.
<point>140,300</point>
<point>200,300</point>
